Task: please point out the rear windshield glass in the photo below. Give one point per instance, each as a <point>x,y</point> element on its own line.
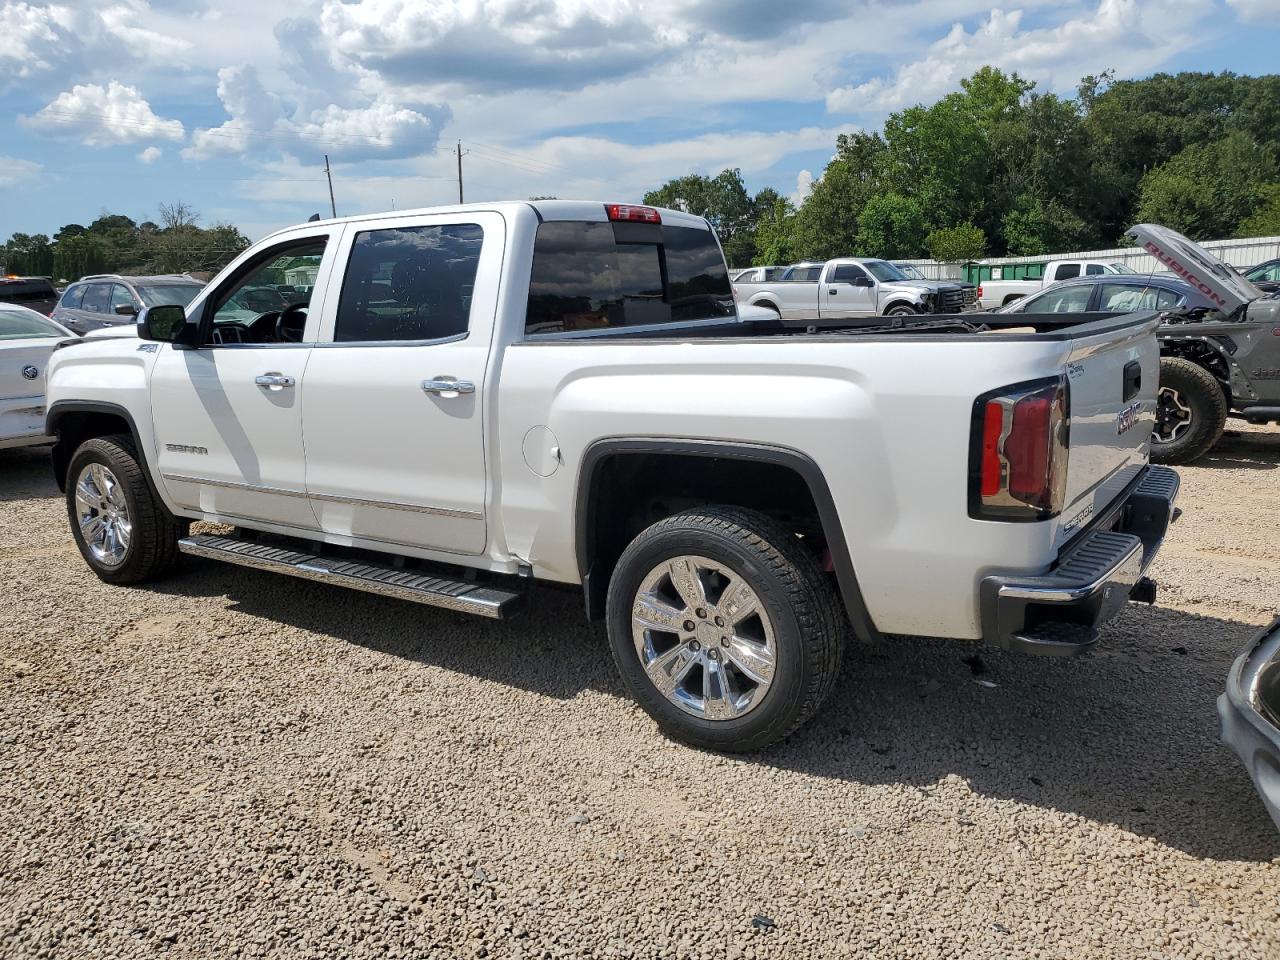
<point>15,325</point>
<point>24,290</point>
<point>165,294</point>
<point>592,276</point>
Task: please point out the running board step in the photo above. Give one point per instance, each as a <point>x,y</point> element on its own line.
<point>484,601</point>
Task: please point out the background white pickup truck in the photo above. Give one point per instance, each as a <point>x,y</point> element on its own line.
<point>474,397</point>
<point>998,293</point>
<point>844,288</point>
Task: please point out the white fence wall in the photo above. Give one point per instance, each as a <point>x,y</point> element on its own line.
<point>1239,253</point>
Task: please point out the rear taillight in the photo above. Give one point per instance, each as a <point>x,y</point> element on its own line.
<point>979,291</point>
<point>630,212</point>
<point>1018,463</point>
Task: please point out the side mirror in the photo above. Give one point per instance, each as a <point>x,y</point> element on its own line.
<point>126,310</point>
<point>863,282</point>
<point>163,324</point>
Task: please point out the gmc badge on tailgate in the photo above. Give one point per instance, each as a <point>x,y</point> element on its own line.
<point>1127,417</point>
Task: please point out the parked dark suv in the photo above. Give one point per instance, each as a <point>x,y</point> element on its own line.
<point>107,300</point>
<point>34,293</point>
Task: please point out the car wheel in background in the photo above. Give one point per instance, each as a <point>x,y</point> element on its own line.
<point>1191,412</point>
<point>724,628</point>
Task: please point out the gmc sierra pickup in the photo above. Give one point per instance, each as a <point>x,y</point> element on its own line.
<point>473,397</point>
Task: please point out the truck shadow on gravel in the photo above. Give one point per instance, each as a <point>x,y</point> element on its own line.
<point>26,474</point>
<point>1126,735</point>
<point>1243,451</point>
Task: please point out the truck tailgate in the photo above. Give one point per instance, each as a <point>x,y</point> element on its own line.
<point>1112,379</point>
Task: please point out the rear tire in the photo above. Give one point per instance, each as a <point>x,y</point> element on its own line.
<point>1191,412</point>
<point>753,651</point>
<point>124,532</point>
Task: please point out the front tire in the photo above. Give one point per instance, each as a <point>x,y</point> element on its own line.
<point>902,310</point>
<point>123,531</point>
<point>1191,412</point>
<point>723,628</point>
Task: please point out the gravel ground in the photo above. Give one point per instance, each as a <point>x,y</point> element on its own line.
<point>238,764</point>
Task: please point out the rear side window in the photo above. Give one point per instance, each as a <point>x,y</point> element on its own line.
<point>805,274</point>
<point>71,297</point>
<point>1066,271</point>
<point>97,298</point>
<point>1127,297</point>
<point>16,325</point>
<point>592,276</point>
<point>26,290</point>
<point>1093,269</point>
<point>1072,299</point>
<point>409,283</point>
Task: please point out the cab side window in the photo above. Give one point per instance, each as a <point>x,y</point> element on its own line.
<point>1066,271</point>
<point>847,273</point>
<point>409,283</point>
<point>120,297</point>
<point>1093,269</point>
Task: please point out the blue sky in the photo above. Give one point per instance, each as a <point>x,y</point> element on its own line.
<point>230,105</point>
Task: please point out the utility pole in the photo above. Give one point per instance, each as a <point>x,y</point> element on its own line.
<point>333,207</point>
<point>460,171</point>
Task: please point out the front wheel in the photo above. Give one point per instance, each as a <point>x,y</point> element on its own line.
<point>123,531</point>
<point>1191,412</point>
<point>902,310</point>
<point>724,628</point>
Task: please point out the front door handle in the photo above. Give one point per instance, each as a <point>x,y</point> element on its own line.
<point>274,381</point>
<point>447,386</point>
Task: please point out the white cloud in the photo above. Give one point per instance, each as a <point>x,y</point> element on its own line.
<point>804,186</point>
<point>41,39</point>
<point>150,154</point>
<point>259,118</point>
<point>103,116</point>
<point>1137,36</point>
<point>14,171</point>
<point>1256,11</point>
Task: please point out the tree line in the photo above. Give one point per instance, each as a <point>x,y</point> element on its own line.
<point>997,168</point>
<point>114,243</point>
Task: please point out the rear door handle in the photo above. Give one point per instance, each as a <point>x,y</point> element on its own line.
<point>274,381</point>
<point>1132,380</point>
<point>447,386</point>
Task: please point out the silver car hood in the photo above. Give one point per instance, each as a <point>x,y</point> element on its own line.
<point>1194,264</point>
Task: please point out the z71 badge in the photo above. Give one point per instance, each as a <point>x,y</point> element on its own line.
<point>1128,417</point>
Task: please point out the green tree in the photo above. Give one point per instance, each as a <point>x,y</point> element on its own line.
<point>827,223</point>
<point>775,232</point>
<point>1209,189</point>
<point>957,244</point>
<point>1265,220</point>
<point>892,226</point>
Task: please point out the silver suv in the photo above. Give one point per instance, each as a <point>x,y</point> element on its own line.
<point>107,300</point>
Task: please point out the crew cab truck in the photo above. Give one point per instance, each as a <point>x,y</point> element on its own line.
<point>844,288</point>
<point>994,293</point>
<point>472,398</point>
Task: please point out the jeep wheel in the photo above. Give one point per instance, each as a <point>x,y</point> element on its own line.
<point>1191,412</point>
<point>723,628</point>
<point>124,533</point>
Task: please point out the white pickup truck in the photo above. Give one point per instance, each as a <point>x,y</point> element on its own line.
<point>995,292</point>
<point>844,288</point>
<point>477,397</point>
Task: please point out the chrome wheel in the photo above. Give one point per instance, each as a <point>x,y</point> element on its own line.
<point>102,513</point>
<point>1173,416</point>
<point>703,638</point>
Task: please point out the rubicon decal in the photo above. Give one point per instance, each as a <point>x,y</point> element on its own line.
<point>1127,418</point>
<point>1155,250</point>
